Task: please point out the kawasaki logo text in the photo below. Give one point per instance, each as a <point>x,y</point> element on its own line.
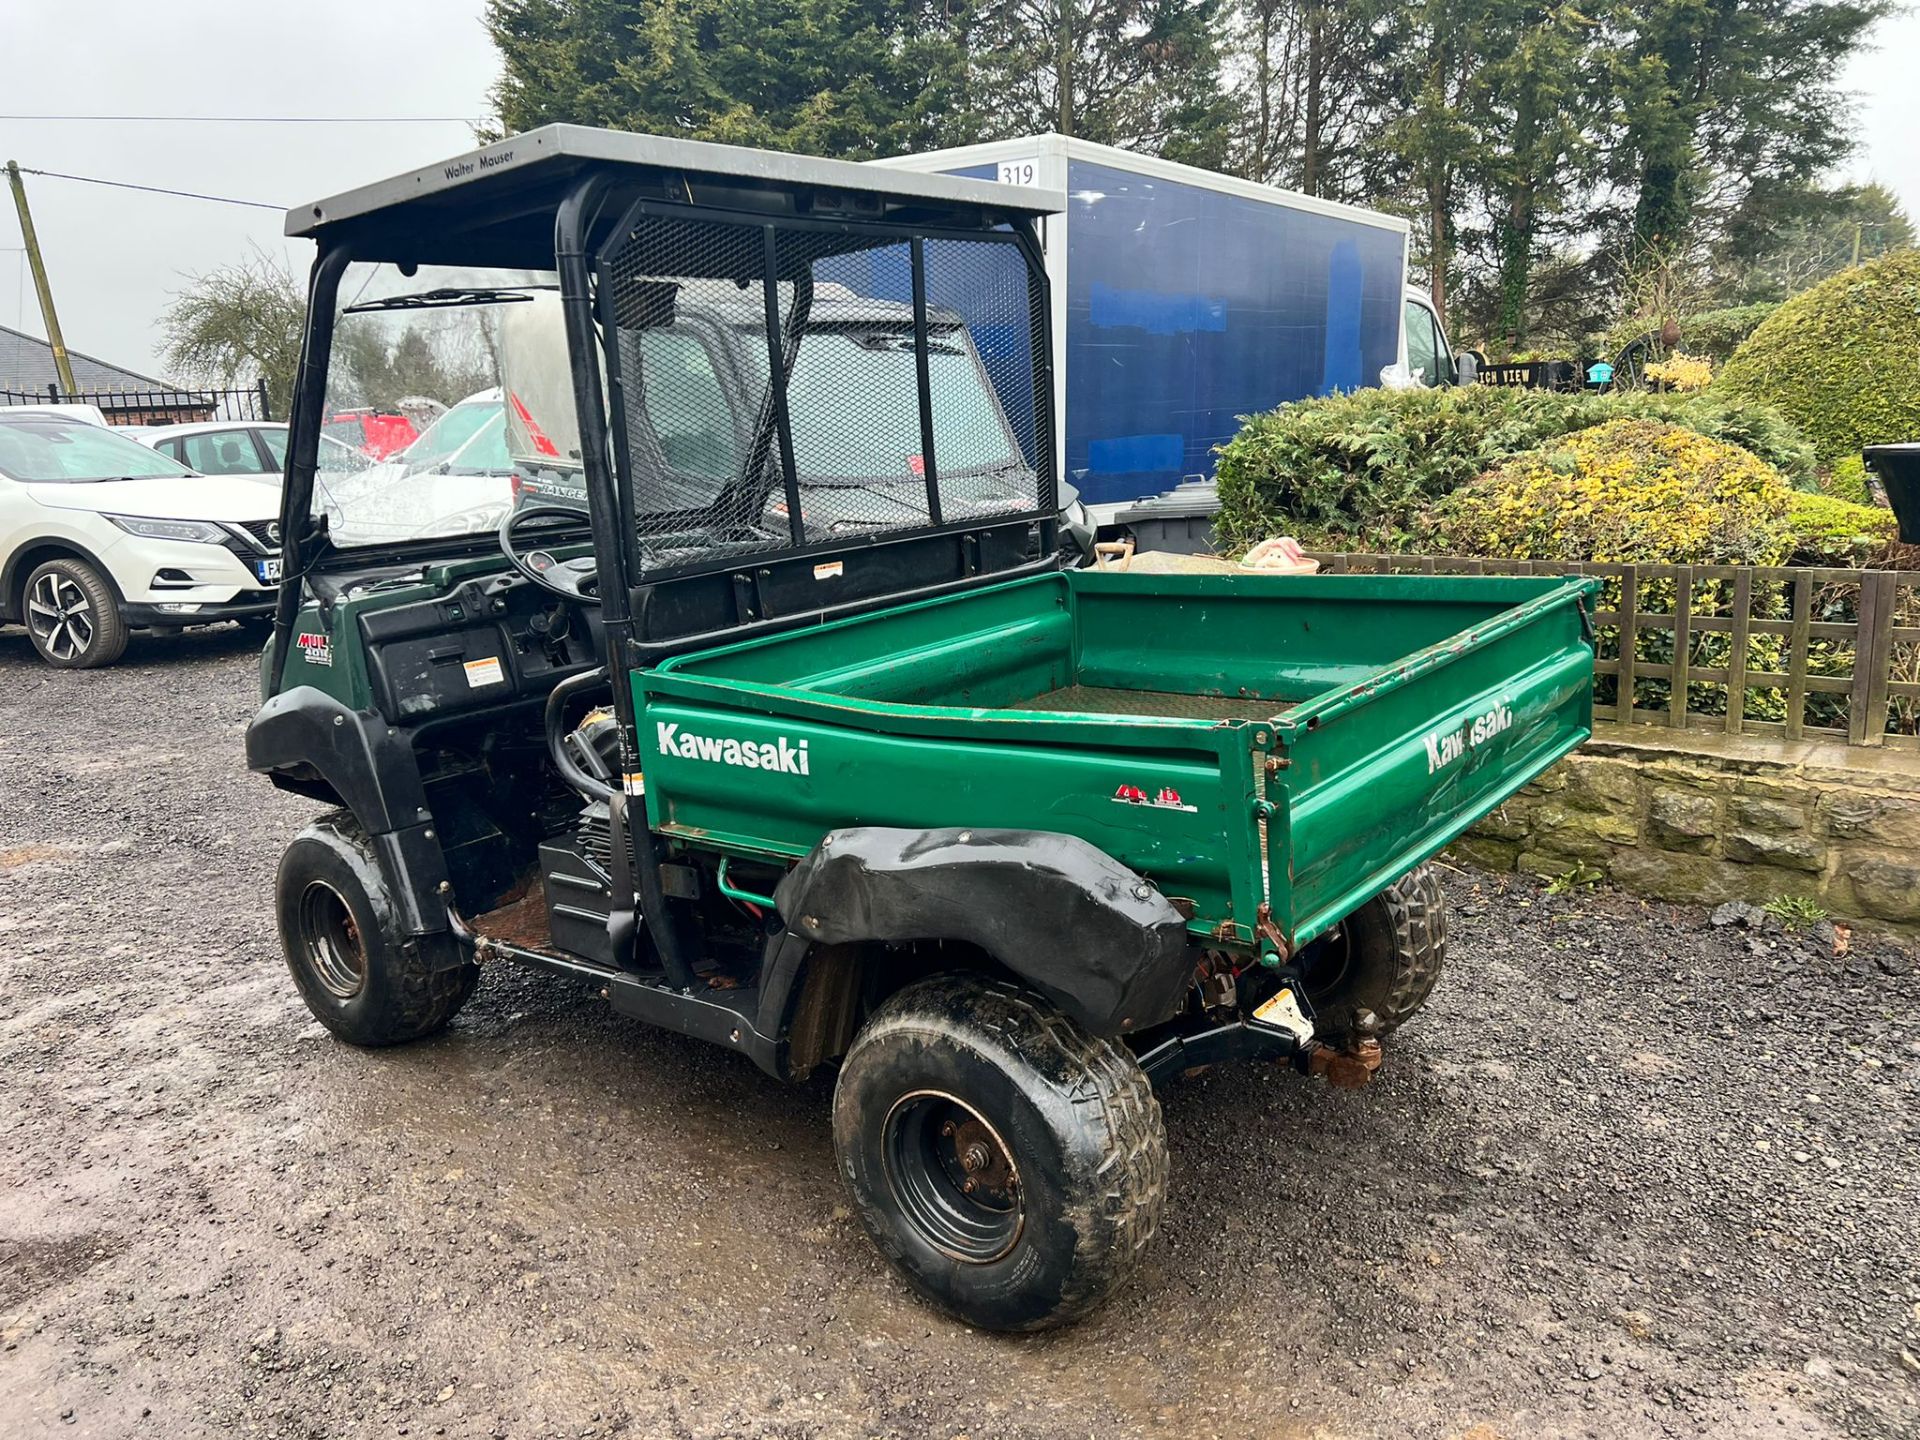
<point>1446,746</point>
<point>785,757</point>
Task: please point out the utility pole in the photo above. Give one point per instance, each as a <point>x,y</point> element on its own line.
<point>61,364</point>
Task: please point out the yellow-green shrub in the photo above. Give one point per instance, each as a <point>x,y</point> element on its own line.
<point>1846,479</point>
<point>1842,360</point>
<point>1682,373</point>
<point>1628,490</point>
<point>1354,472</point>
<point>1830,531</point>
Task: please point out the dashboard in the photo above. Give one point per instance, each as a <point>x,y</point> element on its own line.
<point>487,641</point>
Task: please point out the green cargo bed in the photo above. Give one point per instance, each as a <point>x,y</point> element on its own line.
<point>1267,747</point>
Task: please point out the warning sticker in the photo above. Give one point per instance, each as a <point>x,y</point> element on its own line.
<point>1283,1012</point>
<point>831,570</point>
<point>485,672</point>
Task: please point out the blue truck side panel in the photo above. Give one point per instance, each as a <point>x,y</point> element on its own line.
<point>1188,307</point>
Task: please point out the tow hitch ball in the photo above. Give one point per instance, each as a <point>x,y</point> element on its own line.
<point>1346,1069</point>
<point>1350,1067</point>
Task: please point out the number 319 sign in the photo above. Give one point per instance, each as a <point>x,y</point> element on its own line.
<point>1024,171</point>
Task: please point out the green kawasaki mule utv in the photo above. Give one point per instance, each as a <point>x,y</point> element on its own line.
<point>715,649</point>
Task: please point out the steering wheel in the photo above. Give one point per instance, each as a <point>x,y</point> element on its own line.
<point>576,579</point>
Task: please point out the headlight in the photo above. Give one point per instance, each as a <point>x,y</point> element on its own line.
<point>467,522</point>
<point>204,531</point>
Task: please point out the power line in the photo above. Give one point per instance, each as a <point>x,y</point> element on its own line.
<point>152,189</point>
<point>261,119</point>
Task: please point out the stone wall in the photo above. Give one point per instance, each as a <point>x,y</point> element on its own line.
<point>1705,818</point>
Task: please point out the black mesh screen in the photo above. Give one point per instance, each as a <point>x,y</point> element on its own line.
<point>988,461</point>
<point>731,440</point>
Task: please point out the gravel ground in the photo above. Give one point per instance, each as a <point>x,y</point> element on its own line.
<point>1632,1174</point>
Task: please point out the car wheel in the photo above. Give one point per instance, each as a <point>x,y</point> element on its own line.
<point>72,616</point>
<point>1011,1165</point>
<point>340,932</point>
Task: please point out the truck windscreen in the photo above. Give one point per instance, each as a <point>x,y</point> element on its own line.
<point>843,380</point>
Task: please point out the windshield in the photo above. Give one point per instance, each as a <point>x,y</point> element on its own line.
<point>434,340</point>
<point>53,449</point>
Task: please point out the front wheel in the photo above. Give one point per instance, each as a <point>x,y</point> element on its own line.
<point>339,929</point>
<point>73,617</point>
<point>1011,1165</point>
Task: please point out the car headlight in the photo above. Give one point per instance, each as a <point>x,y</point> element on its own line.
<point>204,531</point>
<point>468,522</point>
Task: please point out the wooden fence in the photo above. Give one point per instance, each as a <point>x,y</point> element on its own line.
<point>1790,652</point>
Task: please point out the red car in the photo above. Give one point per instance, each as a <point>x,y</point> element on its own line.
<point>378,433</point>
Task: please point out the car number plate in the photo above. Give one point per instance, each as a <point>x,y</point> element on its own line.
<point>268,570</point>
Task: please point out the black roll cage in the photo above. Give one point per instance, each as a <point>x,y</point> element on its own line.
<point>971,551</point>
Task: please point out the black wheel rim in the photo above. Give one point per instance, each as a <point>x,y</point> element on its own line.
<point>953,1177</point>
<point>335,954</point>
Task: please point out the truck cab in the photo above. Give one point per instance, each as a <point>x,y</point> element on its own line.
<point>1426,357</point>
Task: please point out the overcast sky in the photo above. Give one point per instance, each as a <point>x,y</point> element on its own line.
<point>116,257</point>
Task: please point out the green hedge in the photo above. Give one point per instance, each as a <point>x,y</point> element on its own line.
<point>1357,471</point>
<point>1644,492</point>
<point>1842,360</point>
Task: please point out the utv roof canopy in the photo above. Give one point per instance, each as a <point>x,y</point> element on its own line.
<point>495,206</point>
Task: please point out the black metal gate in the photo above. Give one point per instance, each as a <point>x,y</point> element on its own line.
<point>158,406</point>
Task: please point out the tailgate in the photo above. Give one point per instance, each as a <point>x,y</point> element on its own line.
<point>1379,775</point>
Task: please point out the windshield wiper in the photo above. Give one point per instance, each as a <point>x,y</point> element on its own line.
<point>439,299</point>
<point>893,341</point>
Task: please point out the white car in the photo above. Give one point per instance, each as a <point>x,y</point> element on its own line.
<point>241,447</point>
<point>100,535</point>
<point>456,478</point>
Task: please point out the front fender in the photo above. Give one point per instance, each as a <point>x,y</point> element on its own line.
<point>369,764</point>
<point>371,769</point>
<point>1092,936</point>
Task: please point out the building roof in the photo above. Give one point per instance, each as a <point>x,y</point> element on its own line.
<point>26,364</point>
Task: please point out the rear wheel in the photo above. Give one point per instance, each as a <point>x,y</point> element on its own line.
<point>72,615</point>
<point>1011,1165</point>
<point>339,931</point>
<point>1378,966</point>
